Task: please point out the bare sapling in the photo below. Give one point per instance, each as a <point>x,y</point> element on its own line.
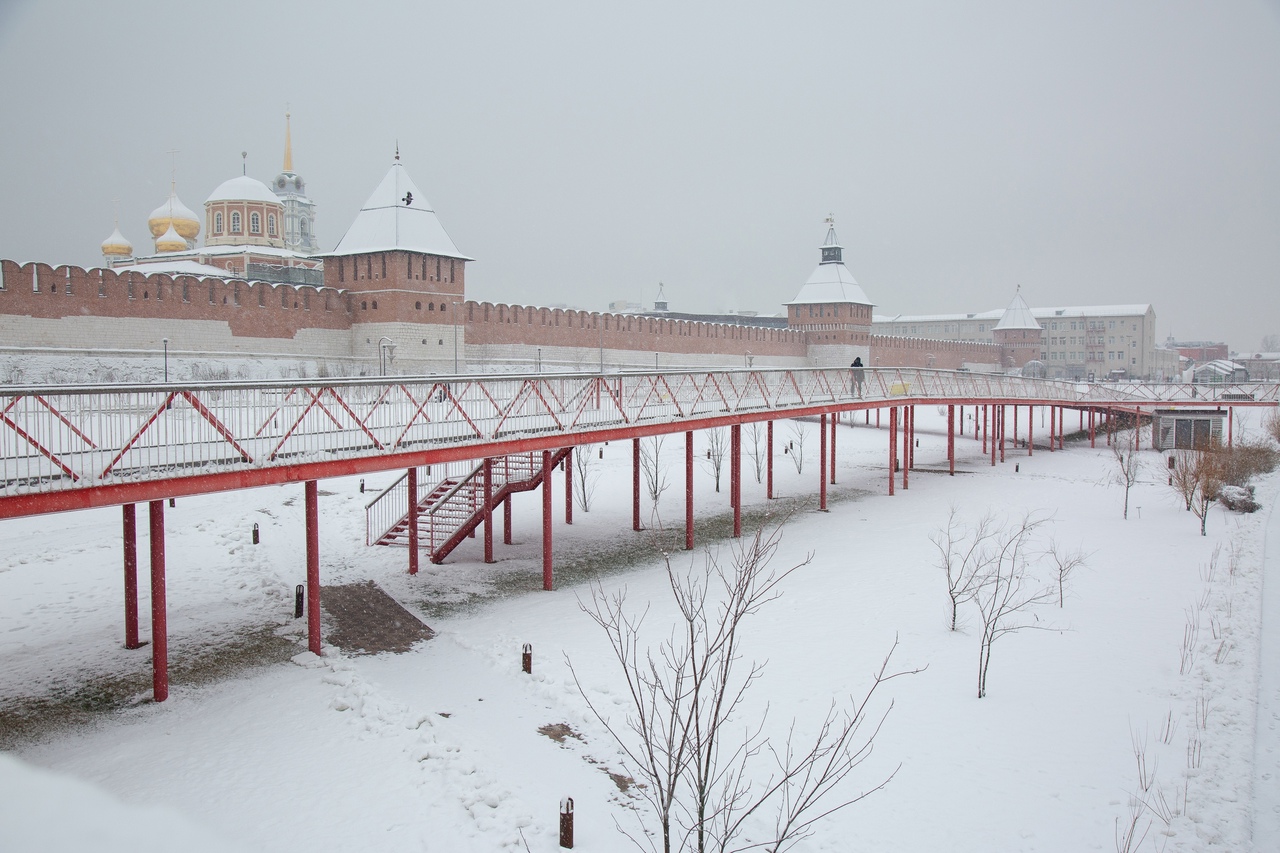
<point>717,449</point>
<point>964,552</point>
<point>1271,423</point>
<point>1128,466</point>
<point>1197,479</point>
<point>1007,596</point>
<point>585,477</point>
<point>655,473</point>
<point>685,736</point>
<point>1063,563</point>
<point>757,450</point>
<point>796,448</point>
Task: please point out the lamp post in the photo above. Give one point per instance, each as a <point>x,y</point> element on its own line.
<point>384,344</point>
<point>539,361</point>
<point>166,359</point>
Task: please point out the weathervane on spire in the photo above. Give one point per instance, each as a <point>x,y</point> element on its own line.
<point>831,219</point>
<point>397,149</point>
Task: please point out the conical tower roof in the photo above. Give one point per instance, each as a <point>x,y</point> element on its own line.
<point>1017,315</point>
<point>831,282</point>
<point>397,216</point>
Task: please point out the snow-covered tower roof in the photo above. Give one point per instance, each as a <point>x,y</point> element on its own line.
<point>397,217</point>
<point>1017,315</point>
<point>831,282</point>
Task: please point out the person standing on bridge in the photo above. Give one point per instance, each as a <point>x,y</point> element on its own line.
<point>858,375</point>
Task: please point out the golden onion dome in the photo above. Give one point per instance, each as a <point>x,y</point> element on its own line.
<point>171,241</point>
<point>176,214</point>
<point>117,246</point>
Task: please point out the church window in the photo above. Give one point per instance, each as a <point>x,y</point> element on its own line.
<point>255,223</point>
<point>217,223</point>
<point>271,224</point>
<point>364,306</point>
<point>235,222</point>
<point>304,225</point>
<point>375,305</point>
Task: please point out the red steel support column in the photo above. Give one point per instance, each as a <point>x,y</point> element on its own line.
<point>1062,426</point>
<point>546,519</point>
<point>1052,416</point>
<point>635,484</point>
<point>488,510</point>
<point>735,477</point>
<point>893,445</point>
<point>906,446</point>
<point>688,490</point>
<point>877,418</point>
<point>769,462</point>
<point>993,430</point>
<point>506,520</point>
<point>1092,427</point>
<point>130,577</point>
<point>568,488</point>
<point>312,513</point>
<point>1231,417</point>
<point>822,466</point>
<point>834,419</point>
<point>1015,426</point>
<point>1003,412</point>
<point>413,520</point>
<point>960,412</point>
<point>951,436</point>
<point>1031,427</point>
<point>986,429</point>
<point>159,616</point>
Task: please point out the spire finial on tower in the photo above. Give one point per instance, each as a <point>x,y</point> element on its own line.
<point>397,149</point>
<point>244,162</point>
<point>288,142</point>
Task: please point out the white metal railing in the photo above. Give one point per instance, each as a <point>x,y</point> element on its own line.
<point>57,438</point>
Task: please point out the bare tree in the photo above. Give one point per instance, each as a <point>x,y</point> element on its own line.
<point>585,477</point>
<point>1127,466</point>
<point>758,452</point>
<point>1005,597</point>
<point>796,448</point>
<point>963,554</point>
<point>717,447</point>
<point>1197,478</point>
<point>1271,423</point>
<point>700,779</point>
<point>1270,343</point>
<point>1063,563</point>
<point>655,473</point>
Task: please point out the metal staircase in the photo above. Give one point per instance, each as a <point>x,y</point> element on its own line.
<point>452,507</point>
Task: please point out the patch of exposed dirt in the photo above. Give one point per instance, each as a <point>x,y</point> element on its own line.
<point>365,620</point>
<point>559,731</point>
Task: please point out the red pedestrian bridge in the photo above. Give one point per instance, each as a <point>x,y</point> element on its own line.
<point>485,437</point>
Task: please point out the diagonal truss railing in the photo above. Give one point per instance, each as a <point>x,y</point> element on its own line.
<point>62,439</point>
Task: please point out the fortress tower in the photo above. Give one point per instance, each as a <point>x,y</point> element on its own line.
<point>832,309</point>
<point>1018,334</point>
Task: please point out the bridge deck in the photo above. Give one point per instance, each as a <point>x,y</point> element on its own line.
<point>70,447</point>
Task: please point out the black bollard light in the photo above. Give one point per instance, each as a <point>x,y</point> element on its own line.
<point>297,602</point>
<point>362,485</point>
<point>526,658</point>
<point>255,533</point>
<point>566,823</point>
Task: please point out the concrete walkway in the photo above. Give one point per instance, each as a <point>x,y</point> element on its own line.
<point>1266,757</point>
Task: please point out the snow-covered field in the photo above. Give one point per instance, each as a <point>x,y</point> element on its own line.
<point>438,749</point>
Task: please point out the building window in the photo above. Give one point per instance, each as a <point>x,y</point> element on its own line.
<point>235,222</point>
<point>271,224</point>
<point>217,223</point>
<point>255,223</point>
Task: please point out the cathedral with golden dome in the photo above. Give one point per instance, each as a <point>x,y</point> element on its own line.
<point>250,230</point>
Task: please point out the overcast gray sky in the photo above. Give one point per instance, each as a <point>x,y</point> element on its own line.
<point>1093,152</point>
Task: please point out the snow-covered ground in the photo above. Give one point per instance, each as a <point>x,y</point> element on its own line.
<point>438,749</point>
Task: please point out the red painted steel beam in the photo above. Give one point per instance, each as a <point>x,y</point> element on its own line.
<point>822,465</point>
<point>769,460</point>
<point>488,509</point>
<point>951,437</point>
<point>159,614</point>
<point>312,514</point>
<point>412,486</point>
<point>906,447</point>
<point>893,445</point>
<point>635,484</point>
<point>835,417</point>
<point>568,487</point>
<point>506,520</point>
<point>547,579</point>
<point>735,476</point>
<point>688,490</point>
<point>130,576</point>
